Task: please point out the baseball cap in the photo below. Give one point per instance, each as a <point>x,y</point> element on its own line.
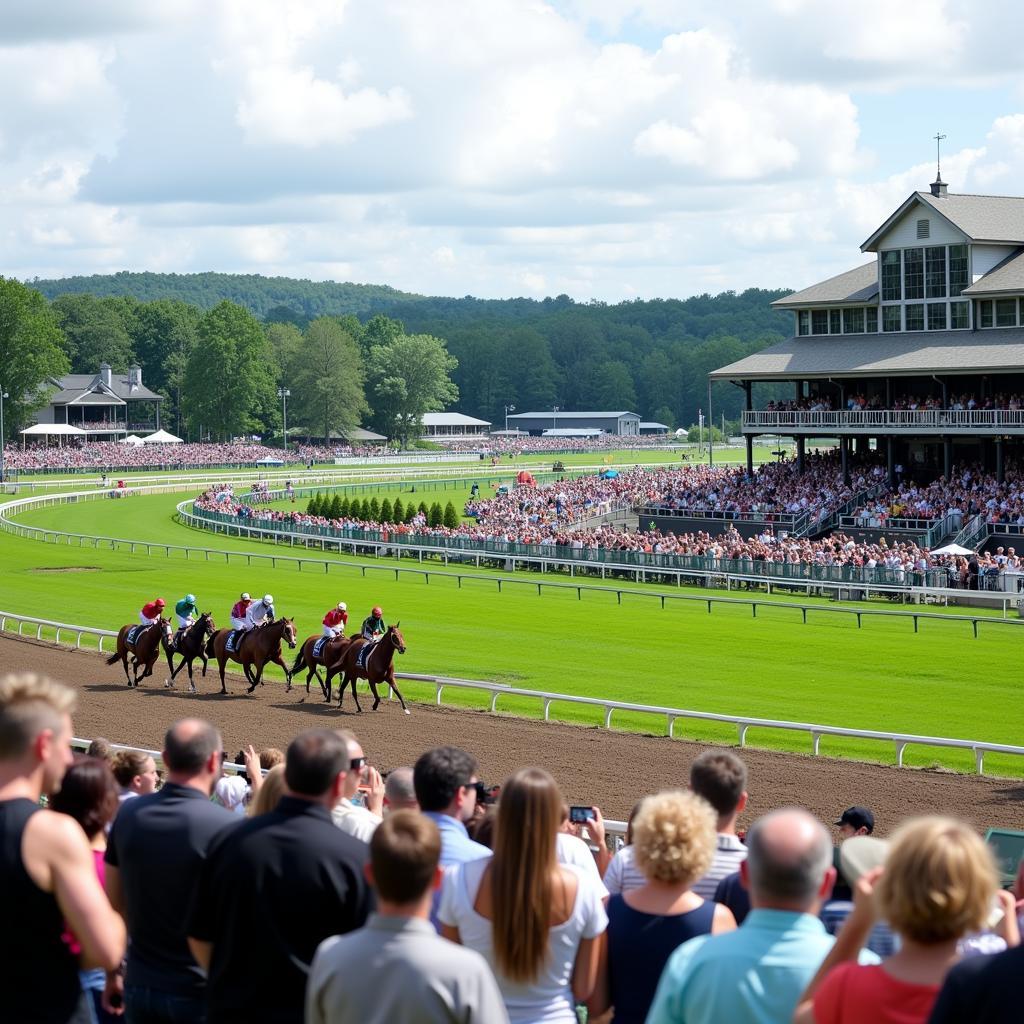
<point>857,817</point>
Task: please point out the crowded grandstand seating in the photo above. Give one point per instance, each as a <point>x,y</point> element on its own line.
<point>909,403</point>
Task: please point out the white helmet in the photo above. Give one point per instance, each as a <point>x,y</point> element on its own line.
<point>246,597</point>
<point>267,599</point>
<point>342,607</point>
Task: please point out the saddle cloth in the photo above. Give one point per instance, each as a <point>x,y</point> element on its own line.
<point>134,633</point>
<point>234,640</point>
<point>319,645</point>
<point>364,652</point>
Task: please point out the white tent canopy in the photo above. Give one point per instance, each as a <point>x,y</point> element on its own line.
<point>953,549</point>
<point>53,428</point>
<point>131,439</point>
<point>161,437</point>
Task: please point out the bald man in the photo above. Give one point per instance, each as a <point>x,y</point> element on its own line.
<point>399,791</point>
<point>156,847</point>
<point>757,973</point>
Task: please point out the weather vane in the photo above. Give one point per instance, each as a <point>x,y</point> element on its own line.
<point>938,156</point>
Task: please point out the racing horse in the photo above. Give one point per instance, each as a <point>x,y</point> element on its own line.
<point>192,645</point>
<point>379,667</point>
<point>255,650</point>
<point>329,654</point>
<point>144,649</point>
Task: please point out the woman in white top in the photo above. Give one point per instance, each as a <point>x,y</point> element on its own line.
<point>537,922</point>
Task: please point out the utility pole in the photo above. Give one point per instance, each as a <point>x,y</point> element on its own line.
<point>3,395</point>
<point>284,394</point>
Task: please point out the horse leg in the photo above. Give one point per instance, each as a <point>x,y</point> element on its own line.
<point>221,663</point>
<point>124,662</point>
<point>398,693</point>
<point>373,690</point>
<point>284,668</point>
<point>253,675</point>
<point>326,686</point>
<point>191,681</point>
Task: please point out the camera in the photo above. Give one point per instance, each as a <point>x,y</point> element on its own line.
<point>580,815</point>
<point>486,794</point>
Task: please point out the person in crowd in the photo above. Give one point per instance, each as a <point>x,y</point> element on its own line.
<point>100,747</point>
<point>154,852</point>
<point>151,612</point>
<point>757,972</point>
<point>400,791</point>
<point>136,774</point>
<point>272,889</point>
<point>88,793</point>
<point>357,819</point>
<point>397,968</point>
<point>336,620</point>
<point>259,612</point>
<point>938,883</point>
<point>855,821</point>
<point>271,757</point>
<point>374,626</point>
<point>239,610</point>
<point>445,780</point>
<point>537,922</point>
<point>674,838</point>
<point>622,874</point>
<point>572,849</point>
<point>231,792</point>
<point>270,792</point>
<point>720,777</point>
<point>982,990</point>
<point>48,875</point>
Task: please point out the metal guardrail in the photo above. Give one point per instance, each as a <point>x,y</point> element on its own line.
<point>856,419</point>
<point>743,723</point>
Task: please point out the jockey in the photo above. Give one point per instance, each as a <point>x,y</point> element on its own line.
<point>238,611</point>
<point>151,613</point>
<point>186,611</point>
<point>260,612</point>
<point>336,620</point>
<point>374,626</point>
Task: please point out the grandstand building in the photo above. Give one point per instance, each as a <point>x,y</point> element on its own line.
<point>918,353</point>
<point>558,423</point>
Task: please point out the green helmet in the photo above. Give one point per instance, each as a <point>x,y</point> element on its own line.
<point>191,598</point>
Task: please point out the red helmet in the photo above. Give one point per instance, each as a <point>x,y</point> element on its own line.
<point>160,602</point>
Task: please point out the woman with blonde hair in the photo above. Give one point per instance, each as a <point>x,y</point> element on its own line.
<point>674,839</point>
<point>269,792</point>
<point>939,883</point>
<point>537,922</point>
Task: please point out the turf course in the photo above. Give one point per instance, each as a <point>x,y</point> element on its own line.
<point>938,682</point>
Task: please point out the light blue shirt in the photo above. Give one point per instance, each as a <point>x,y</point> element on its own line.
<point>456,848</point>
<point>753,975</point>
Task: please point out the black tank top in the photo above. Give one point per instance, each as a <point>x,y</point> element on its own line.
<point>42,974</point>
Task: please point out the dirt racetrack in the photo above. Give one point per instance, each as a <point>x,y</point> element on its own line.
<point>592,765</point>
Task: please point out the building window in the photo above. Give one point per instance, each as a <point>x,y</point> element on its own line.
<point>1006,312</point>
<point>871,319</point>
<point>915,316</point>
<point>985,313</point>
<point>935,271</point>
<point>936,316</point>
<point>891,319</point>
<point>835,321</point>
<point>959,316</point>
<point>891,291</point>
<point>913,274</point>
<point>957,269</point>
<point>803,322</point>
<point>853,321</point>
<point>819,321</point>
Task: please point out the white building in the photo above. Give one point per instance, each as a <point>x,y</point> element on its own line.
<point>441,427</point>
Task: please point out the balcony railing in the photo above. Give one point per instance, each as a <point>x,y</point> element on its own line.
<point>932,419</point>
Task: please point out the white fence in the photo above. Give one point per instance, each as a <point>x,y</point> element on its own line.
<point>743,723</point>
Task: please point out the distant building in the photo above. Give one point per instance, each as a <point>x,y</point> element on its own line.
<point>650,427</point>
<point>442,427</point>
<point>106,405</point>
<point>624,424</point>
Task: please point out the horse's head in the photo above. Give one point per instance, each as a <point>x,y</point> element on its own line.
<point>289,631</point>
<point>396,637</point>
<point>205,624</point>
<point>165,628</point>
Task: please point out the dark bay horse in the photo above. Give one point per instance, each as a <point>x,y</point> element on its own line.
<point>144,651</point>
<point>257,648</point>
<point>192,645</point>
<point>379,667</point>
<point>330,654</point>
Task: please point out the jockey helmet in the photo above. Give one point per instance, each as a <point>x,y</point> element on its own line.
<point>342,607</point>
<point>267,599</point>
<point>160,602</point>
<point>191,598</point>
<point>246,597</point>
<point>376,611</point>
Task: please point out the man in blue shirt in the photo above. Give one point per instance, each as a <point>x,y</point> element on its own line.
<point>445,780</point>
<point>755,974</point>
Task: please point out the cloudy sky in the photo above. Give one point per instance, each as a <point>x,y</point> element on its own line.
<point>607,149</point>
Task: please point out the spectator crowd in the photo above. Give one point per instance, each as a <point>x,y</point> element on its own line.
<point>316,888</point>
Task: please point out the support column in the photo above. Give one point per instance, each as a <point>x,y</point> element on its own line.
<point>844,459</point>
<point>890,460</point>
<point>947,457</point>
<point>888,392</point>
<point>750,454</point>
<point>801,449</point>
<point>798,390</point>
<point>1000,467</point>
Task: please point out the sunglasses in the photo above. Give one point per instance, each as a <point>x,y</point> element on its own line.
<point>356,764</point>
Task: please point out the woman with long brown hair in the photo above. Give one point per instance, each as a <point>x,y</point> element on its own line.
<point>536,921</point>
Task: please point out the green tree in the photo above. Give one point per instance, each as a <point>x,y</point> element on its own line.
<point>364,510</point>
<point>398,512</point>
<point>409,376</point>
<point>95,332</point>
<point>386,512</point>
<point>436,516</point>
<point>325,376</point>
<point>345,507</point>
<point>313,508</point>
<point>423,508</point>
<point>335,512</point>
<point>31,351</point>
<point>285,341</point>
<point>229,377</point>
<point>374,510</point>
<point>164,336</point>
<point>451,517</point>
<point>410,512</point>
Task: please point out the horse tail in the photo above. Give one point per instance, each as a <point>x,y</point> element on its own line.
<point>300,661</point>
<point>113,659</point>
<point>209,645</point>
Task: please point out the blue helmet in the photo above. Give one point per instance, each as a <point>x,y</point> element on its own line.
<point>191,598</point>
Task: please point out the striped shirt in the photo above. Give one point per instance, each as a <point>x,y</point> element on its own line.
<point>622,874</point>
<point>729,854</point>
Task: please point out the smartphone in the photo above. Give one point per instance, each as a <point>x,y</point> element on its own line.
<point>579,815</point>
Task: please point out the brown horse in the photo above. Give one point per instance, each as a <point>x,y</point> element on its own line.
<point>144,651</point>
<point>330,654</point>
<point>256,649</point>
<point>379,667</point>
<point>192,645</point>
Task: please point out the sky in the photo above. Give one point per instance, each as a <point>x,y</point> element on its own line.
<point>604,149</point>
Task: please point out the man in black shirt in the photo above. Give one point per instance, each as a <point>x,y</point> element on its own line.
<point>153,857</point>
<point>274,888</point>
<point>982,990</point>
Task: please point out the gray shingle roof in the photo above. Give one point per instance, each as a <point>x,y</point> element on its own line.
<point>857,285</point>
<point>73,385</point>
<point>562,415</point>
<point>982,218</point>
<point>911,354</point>
<point>1004,277</point>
